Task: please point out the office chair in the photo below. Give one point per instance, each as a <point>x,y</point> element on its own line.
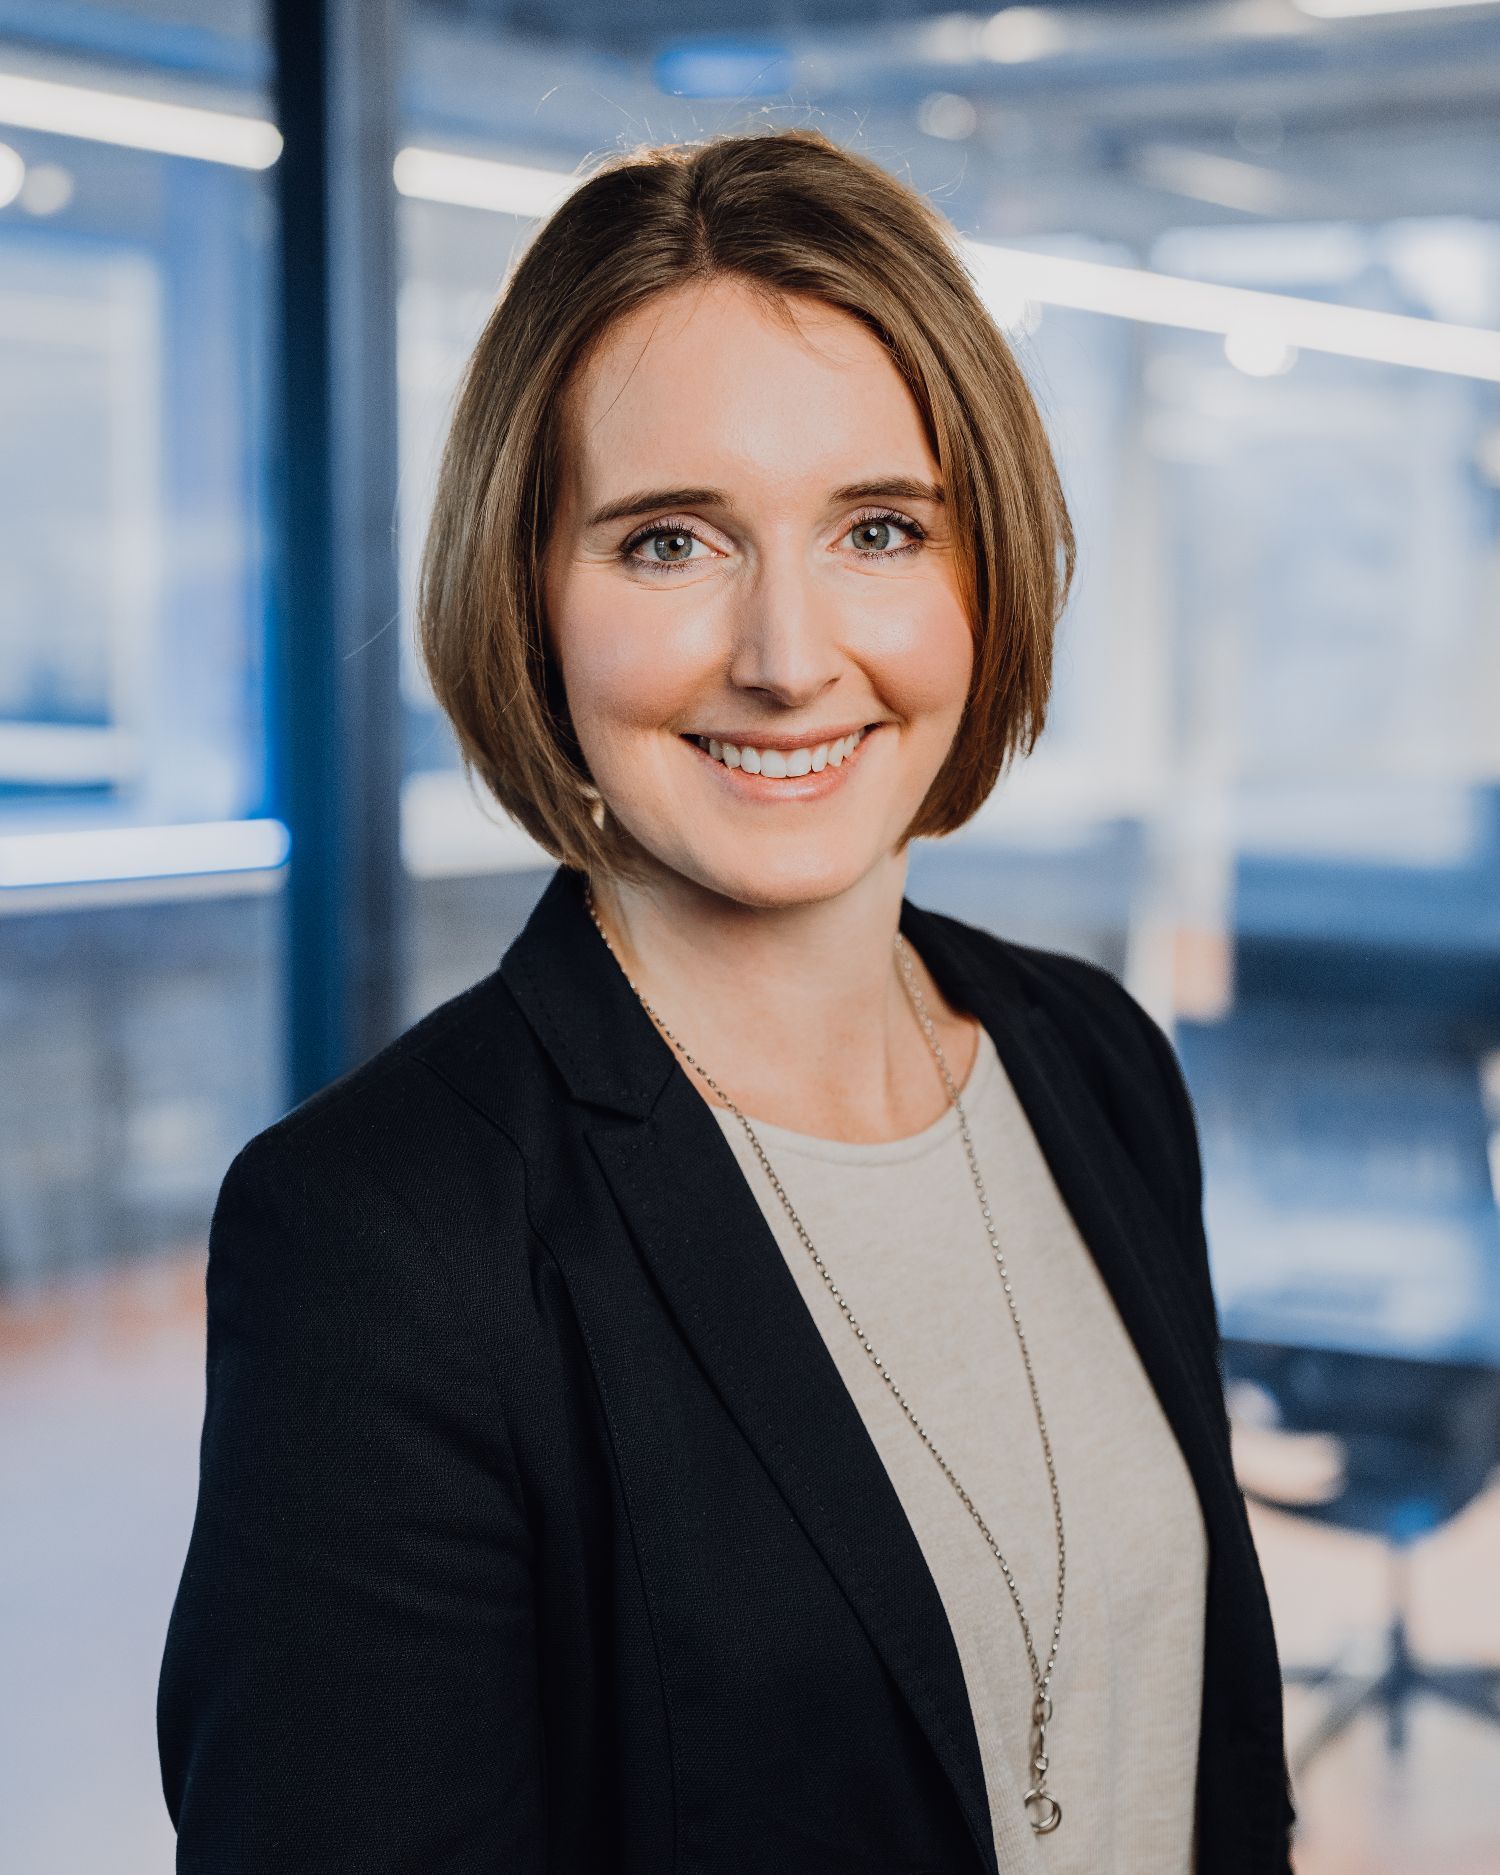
<point>1420,1440</point>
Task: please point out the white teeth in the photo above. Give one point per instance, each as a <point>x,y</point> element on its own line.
<point>777,763</point>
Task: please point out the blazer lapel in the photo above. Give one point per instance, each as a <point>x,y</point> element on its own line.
<point>1127,1233</point>
<point>1119,1217</point>
<point>701,1231</point>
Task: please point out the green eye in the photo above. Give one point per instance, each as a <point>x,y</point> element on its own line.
<point>668,544</point>
<point>874,535</point>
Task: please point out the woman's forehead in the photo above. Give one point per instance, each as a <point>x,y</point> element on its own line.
<point>710,382</point>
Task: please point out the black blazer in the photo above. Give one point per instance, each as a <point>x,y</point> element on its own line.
<point>536,1528</point>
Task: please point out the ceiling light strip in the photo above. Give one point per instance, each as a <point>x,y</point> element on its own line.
<point>137,123</point>
<point>1006,275</point>
<point>480,182</point>
<point>1002,274</point>
<point>76,855</point>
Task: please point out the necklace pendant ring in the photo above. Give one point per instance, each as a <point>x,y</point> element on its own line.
<point>1051,1814</point>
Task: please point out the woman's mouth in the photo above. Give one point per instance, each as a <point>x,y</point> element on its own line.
<point>779,764</point>
<point>802,774</point>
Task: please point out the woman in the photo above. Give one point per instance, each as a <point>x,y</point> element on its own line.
<point>559,1509</point>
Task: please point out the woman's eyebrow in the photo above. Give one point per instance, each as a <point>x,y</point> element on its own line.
<point>889,488</point>
<point>650,498</point>
<point>879,488</point>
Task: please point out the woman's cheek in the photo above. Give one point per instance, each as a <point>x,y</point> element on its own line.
<point>629,665</point>
<point>921,656</point>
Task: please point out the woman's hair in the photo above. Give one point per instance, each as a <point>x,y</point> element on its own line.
<point>789,213</point>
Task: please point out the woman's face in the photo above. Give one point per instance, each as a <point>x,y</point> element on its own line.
<point>750,549</point>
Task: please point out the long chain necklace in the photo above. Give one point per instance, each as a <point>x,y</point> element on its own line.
<point>1042,1809</point>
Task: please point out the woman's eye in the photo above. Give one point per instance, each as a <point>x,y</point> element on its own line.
<point>877,535</point>
<point>664,546</point>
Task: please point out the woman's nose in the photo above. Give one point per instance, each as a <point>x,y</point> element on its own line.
<point>787,642</point>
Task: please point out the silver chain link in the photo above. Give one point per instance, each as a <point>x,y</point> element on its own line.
<point>1042,1809</point>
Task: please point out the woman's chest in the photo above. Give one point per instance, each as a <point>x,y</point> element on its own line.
<point>994,1365</point>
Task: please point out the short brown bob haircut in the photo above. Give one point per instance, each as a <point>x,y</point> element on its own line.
<point>790,213</point>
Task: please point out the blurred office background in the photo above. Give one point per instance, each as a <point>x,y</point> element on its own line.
<point>1250,255</point>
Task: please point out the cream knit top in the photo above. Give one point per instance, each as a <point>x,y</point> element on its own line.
<point>899,1227</point>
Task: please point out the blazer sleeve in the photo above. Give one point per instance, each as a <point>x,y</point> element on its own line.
<point>1189,1208</point>
<point>349,1681</point>
<point>1189,1186</point>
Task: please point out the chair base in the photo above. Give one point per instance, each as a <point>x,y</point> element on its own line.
<point>1474,1689</point>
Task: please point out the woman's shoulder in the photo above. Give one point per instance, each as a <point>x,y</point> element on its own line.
<point>381,1208</point>
<point>397,1145</point>
<point>404,1096</point>
<point>1120,1050</point>
<point>1115,1055</point>
<point>1103,1020</point>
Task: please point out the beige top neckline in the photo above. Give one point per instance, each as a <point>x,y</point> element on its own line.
<point>882,1151</point>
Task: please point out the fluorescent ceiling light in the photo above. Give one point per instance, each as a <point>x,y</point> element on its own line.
<point>1021,34</point>
<point>137,123</point>
<point>1010,276</point>
<point>1352,9</point>
<point>12,175</point>
<point>479,182</point>
<point>1201,306</point>
<point>1259,354</point>
<point>1004,273</point>
<point>1226,181</point>
<point>74,855</point>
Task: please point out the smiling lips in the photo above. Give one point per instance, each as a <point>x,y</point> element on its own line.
<point>779,764</point>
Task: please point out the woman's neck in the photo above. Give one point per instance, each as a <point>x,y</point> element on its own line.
<point>798,1012</point>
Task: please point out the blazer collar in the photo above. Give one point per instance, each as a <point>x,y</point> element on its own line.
<point>608,1050</point>
<point>699,1228</point>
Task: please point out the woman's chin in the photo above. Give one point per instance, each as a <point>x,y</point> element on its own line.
<point>775,877</point>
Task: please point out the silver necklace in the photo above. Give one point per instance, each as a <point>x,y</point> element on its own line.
<point>1042,1809</point>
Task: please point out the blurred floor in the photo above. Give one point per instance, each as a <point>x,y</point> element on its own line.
<point>101,1396</point>
<point>101,1401</point>
<point>1436,1810</point>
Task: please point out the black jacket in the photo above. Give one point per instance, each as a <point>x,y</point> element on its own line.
<point>537,1530</point>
